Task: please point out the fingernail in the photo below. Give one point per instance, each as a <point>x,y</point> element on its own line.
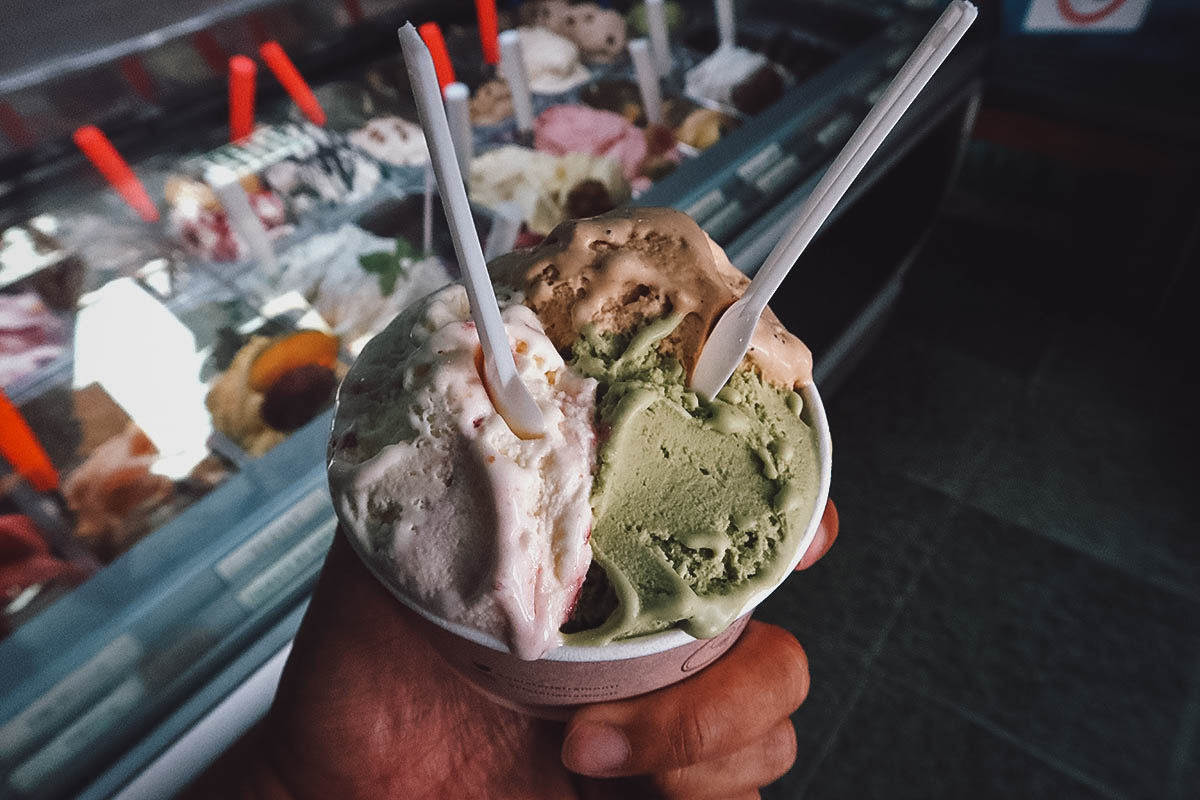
<point>596,749</point>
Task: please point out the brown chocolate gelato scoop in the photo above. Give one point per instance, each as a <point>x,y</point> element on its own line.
<point>621,269</point>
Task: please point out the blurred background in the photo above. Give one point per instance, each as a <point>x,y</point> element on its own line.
<point>998,312</point>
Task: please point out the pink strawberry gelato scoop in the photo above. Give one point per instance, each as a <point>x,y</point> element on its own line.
<point>578,129</point>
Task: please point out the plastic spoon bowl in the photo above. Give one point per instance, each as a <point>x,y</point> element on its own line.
<point>730,338</point>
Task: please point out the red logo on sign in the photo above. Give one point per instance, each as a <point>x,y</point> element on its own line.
<point>1070,14</point>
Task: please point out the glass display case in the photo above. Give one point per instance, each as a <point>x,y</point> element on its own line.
<point>178,378</point>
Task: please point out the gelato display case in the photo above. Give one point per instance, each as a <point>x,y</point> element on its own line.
<point>174,367</point>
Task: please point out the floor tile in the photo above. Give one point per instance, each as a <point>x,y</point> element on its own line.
<point>924,413</point>
<point>897,745</point>
<point>888,525</point>
<point>1082,466</point>
<point>1074,658</point>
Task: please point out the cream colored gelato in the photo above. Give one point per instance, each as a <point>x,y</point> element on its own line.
<point>547,188</point>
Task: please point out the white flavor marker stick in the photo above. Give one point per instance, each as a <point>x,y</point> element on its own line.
<point>647,78</point>
<point>506,226</point>
<point>511,397</point>
<point>656,22</point>
<point>457,96</point>
<point>512,67</point>
<point>427,214</point>
<point>726,29</point>
<point>228,189</point>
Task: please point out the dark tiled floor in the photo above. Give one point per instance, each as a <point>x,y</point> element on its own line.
<point>1013,608</point>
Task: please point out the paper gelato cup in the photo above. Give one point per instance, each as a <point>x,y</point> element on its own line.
<point>571,675</point>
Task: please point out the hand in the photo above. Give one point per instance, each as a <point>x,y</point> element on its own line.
<point>367,709</point>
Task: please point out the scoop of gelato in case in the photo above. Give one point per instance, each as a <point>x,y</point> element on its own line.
<point>551,61</point>
<point>548,188</point>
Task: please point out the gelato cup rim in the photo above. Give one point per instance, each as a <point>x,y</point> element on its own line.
<point>651,643</point>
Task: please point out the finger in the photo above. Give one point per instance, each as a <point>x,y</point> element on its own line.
<point>762,679</point>
<point>759,763</point>
<point>827,532</point>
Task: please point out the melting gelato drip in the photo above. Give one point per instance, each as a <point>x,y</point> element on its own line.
<point>446,504</point>
<point>31,336</point>
<point>547,188</point>
<point>697,505</point>
<point>634,265</point>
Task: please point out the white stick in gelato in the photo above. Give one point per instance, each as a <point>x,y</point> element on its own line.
<point>511,397</point>
<point>647,78</point>
<point>506,225</point>
<point>457,97</point>
<point>726,27</point>
<point>656,21</point>
<point>730,337</point>
<point>512,67</point>
<point>228,189</point>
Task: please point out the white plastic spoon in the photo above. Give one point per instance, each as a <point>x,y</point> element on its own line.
<point>730,338</point>
<point>647,78</point>
<point>512,398</point>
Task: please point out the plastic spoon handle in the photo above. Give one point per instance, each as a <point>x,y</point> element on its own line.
<point>513,400</point>
<point>457,97</point>
<point>656,23</point>
<point>726,27</point>
<point>731,336</point>
<point>512,67</point>
<point>647,78</point>
<point>228,189</point>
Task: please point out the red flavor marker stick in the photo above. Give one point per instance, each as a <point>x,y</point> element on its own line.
<point>22,450</point>
<point>290,77</point>
<point>489,30</point>
<point>242,73</point>
<point>431,34</point>
<point>105,158</point>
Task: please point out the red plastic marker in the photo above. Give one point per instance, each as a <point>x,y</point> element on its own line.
<point>211,51</point>
<point>242,72</point>
<point>431,34</point>
<point>290,77</point>
<point>135,74</point>
<point>22,450</point>
<point>14,127</point>
<point>105,158</point>
<point>489,30</point>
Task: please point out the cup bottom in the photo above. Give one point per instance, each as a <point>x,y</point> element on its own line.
<point>553,689</point>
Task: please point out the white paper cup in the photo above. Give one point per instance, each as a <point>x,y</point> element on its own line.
<point>571,675</point>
